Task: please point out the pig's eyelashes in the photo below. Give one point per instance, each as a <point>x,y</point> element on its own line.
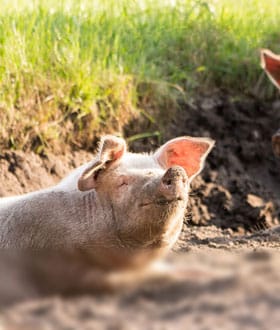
<point>123,182</point>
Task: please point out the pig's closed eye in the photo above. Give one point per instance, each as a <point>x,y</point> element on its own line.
<point>123,182</point>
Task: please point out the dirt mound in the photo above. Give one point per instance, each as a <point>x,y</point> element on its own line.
<point>24,172</point>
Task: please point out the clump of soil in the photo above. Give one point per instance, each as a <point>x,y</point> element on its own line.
<point>240,188</point>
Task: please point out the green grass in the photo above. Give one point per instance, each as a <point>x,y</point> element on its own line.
<point>70,70</point>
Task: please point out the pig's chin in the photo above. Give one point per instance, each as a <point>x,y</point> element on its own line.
<point>163,209</point>
<point>160,221</point>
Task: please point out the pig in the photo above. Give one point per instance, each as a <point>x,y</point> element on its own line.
<point>121,210</point>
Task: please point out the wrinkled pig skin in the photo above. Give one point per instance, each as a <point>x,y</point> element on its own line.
<point>120,210</point>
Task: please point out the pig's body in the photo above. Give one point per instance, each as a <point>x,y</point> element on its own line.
<point>120,210</point>
<point>62,224</point>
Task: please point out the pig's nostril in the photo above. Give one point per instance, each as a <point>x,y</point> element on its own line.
<point>168,182</point>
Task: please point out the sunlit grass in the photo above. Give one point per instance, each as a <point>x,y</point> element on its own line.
<point>72,69</point>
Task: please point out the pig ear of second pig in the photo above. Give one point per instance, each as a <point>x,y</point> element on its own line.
<point>187,152</point>
<point>270,62</point>
<point>111,150</point>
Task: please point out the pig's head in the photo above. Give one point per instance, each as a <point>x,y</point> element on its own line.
<point>144,196</point>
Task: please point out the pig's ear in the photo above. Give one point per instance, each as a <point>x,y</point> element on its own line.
<point>270,62</point>
<point>188,152</point>
<point>111,150</point>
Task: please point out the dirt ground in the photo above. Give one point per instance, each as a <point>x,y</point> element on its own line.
<point>230,241</point>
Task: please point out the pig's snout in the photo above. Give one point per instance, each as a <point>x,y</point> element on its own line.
<point>174,184</point>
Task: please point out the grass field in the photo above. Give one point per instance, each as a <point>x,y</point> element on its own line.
<point>72,69</point>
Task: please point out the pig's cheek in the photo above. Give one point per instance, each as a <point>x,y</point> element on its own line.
<point>149,213</point>
<point>122,196</point>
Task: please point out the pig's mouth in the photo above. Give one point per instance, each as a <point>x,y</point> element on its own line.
<point>163,201</point>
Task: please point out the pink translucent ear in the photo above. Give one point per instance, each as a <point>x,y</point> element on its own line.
<point>270,62</point>
<point>187,152</point>
<point>111,150</point>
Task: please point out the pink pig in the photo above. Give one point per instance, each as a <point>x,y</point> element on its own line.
<point>120,210</point>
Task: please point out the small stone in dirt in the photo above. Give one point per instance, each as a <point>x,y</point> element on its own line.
<point>255,201</point>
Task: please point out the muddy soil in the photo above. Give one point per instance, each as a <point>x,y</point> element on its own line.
<point>230,241</point>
